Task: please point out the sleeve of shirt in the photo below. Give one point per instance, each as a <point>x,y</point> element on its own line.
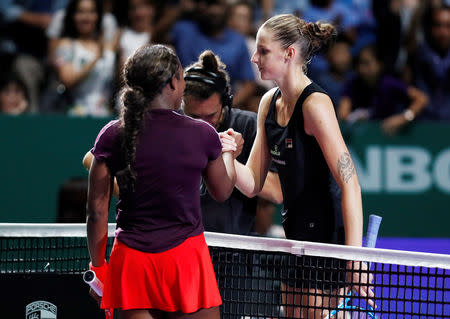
<point>104,146</point>
<point>213,145</point>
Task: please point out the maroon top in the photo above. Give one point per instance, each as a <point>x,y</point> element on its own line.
<point>172,153</point>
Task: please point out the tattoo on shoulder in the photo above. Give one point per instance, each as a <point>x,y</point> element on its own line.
<point>345,167</point>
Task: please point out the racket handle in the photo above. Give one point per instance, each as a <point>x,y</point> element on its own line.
<point>91,279</point>
<point>372,230</point>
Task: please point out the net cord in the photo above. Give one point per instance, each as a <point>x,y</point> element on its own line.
<point>377,255</point>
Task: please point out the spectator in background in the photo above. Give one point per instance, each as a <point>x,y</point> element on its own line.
<point>85,60</point>
<point>22,36</point>
<point>388,32</point>
<point>13,95</point>
<point>339,61</point>
<point>274,7</point>
<point>137,29</point>
<point>336,12</point>
<point>372,94</point>
<point>167,14</point>
<point>241,20</point>
<point>55,28</point>
<point>432,62</point>
<point>341,16</point>
<point>366,26</point>
<point>209,31</point>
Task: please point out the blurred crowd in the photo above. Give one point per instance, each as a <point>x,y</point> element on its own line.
<point>390,60</point>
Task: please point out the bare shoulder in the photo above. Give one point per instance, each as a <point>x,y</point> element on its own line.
<point>318,111</point>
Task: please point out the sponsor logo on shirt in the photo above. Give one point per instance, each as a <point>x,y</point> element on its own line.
<point>275,151</point>
<point>289,143</point>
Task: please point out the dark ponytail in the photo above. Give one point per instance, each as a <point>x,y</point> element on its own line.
<point>209,69</point>
<point>144,75</point>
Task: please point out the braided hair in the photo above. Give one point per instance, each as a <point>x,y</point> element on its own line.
<point>144,75</point>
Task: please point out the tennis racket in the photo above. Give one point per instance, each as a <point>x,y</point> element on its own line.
<point>354,311</point>
<point>91,279</point>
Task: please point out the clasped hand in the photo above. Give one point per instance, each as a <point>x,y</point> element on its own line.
<point>232,141</point>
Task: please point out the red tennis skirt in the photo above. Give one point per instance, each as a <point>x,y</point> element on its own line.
<point>180,279</point>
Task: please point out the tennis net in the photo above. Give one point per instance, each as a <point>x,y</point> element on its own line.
<point>266,277</point>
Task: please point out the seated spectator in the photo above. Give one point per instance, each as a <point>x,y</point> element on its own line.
<point>388,32</point>
<point>432,63</point>
<point>137,29</point>
<point>190,37</point>
<point>274,7</point>
<point>55,28</point>
<point>240,20</point>
<point>339,61</point>
<point>335,12</point>
<point>366,26</point>
<point>85,61</point>
<point>341,16</point>
<point>22,36</point>
<point>371,94</point>
<point>13,95</point>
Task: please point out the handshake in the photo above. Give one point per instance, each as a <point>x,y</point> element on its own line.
<point>232,141</point>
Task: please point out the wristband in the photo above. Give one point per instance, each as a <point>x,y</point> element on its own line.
<point>100,271</point>
<point>409,115</point>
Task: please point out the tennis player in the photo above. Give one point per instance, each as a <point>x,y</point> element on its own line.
<point>298,130</point>
<point>160,264</point>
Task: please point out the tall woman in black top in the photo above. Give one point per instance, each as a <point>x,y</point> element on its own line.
<point>298,130</point>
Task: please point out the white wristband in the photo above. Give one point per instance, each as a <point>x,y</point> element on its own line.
<point>409,115</point>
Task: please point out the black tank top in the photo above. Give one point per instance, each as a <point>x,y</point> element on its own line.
<point>306,181</point>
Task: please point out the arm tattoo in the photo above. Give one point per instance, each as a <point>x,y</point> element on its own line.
<point>345,167</point>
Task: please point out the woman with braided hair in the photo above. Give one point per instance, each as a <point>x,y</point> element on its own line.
<point>297,129</point>
<point>160,264</point>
